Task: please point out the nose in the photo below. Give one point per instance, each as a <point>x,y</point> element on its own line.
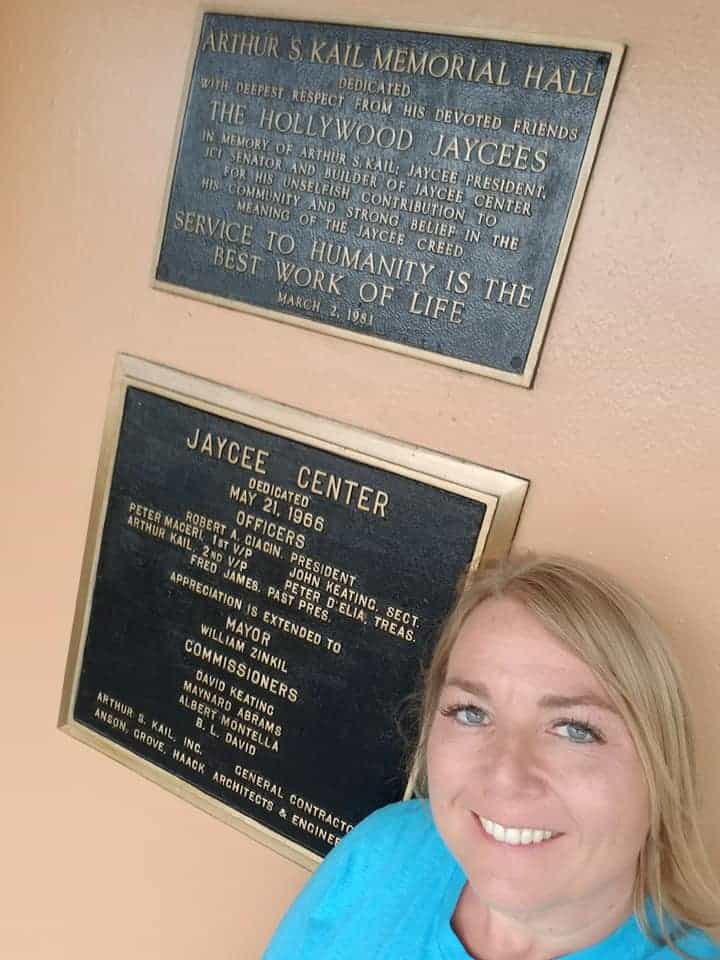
<point>510,764</point>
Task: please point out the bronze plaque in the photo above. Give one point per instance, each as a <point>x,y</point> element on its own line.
<point>415,191</point>
<point>259,588</point>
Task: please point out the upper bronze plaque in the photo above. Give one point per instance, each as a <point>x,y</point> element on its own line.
<point>412,190</point>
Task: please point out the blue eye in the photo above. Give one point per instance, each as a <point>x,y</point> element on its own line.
<point>578,732</point>
<point>466,714</point>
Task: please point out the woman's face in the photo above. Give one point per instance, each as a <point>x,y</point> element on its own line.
<point>534,781</point>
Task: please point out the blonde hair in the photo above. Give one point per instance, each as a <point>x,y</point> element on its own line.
<point>610,630</point>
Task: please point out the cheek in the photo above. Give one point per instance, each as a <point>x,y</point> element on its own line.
<point>611,798</point>
<point>632,800</point>
<point>433,755</point>
<point>439,760</point>
<point>448,761</point>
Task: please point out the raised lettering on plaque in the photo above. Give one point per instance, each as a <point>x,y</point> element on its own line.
<point>259,589</point>
<point>415,191</point>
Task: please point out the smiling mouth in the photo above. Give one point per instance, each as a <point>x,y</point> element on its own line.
<point>515,836</point>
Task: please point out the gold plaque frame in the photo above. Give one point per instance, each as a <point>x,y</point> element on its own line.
<point>502,494</point>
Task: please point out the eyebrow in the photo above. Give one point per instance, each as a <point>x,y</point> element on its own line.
<point>552,700</point>
<point>579,700</point>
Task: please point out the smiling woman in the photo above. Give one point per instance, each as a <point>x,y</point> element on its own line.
<point>556,752</point>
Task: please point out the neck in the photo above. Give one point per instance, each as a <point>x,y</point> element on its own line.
<point>489,933</point>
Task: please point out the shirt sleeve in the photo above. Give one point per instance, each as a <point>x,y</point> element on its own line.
<point>349,887</point>
<point>303,929</point>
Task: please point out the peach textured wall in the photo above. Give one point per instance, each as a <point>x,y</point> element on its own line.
<point>619,435</point>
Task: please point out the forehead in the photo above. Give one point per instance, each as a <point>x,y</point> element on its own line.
<point>501,636</point>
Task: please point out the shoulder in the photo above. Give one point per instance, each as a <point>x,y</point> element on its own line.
<point>687,941</point>
<point>397,821</point>
<point>697,945</point>
<point>393,834</point>
<point>364,891</point>
<point>691,944</point>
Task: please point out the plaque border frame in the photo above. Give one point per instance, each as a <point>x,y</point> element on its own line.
<point>615,49</point>
<point>503,494</point>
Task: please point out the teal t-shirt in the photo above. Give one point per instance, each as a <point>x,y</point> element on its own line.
<point>389,890</point>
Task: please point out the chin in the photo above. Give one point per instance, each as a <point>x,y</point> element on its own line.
<point>518,897</point>
<point>514,879</point>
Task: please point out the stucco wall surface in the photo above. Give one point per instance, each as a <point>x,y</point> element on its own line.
<point>619,435</point>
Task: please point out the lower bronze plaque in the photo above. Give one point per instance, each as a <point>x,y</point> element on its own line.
<point>259,587</point>
<point>414,190</point>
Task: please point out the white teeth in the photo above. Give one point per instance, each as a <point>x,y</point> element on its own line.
<point>514,836</point>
